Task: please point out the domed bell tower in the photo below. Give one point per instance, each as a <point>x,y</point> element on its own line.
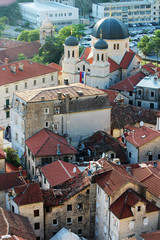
<point>46,29</point>
<point>71,57</point>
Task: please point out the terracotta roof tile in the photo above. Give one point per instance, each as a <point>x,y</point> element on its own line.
<point>10,168</point>
<point>28,194</point>
<point>13,179</point>
<point>85,53</point>
<point>151,235</point>
<point>129,83</point>
<point>66,190</point>
<point>14,224</point>
<point>2,154</point>
<point>121,208</point>
<point>29,49</point>
<point>149,69</point>
<point>113,65</point>
<point>112,94</point>
<point>31,69</point>
<point>44,143</point>
<point>126,60</point>
<point>56,67</point>
<point>59,172</point>
<point>128,114</point>
<point>142,135</point>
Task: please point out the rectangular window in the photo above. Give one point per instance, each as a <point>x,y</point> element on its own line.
<point>79,232</point>
<point>152,105</point>
<point>36,213</point>
<point>16,136</point>
<point>158,156</point>
<point>130,94</point>
<point>37,226</point>
<point>152,94</point>
<point>130,154</point>
<point>46,110</point>
<point>70,14</point>
<point>139,103</point>
<point>7,114</point>
<point>34,82</point>
<point>80,219</point>
<point>150,158</point>
<point>43,80</point>
<point>44,180</point>
<point>57,110</point>
<point>7,90</point>
<point>16,87</point>
<point>138,208</point>
<point>69,220</point>
<point>46,124</point>
<point>69,207</point>
<point>80,206</point>
<point>12,208</point>
<point>55,222</point>
<point>32,170</point>
<point>51,78</point>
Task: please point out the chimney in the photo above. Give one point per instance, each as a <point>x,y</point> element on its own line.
<point>6,60</point>
<point>66,81</point>
<point>21,65</point>
<point>59,95</point>
<point>13,68</point>
<point>67,99</point>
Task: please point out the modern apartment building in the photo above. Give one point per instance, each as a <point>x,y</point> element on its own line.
<point>142,11</point>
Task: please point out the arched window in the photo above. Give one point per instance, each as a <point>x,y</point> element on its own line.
<point>114,46</point>
<point>118,46</point>
<point>102,58</point>
<point>97,57</point>
<point>68,54</point>
<point>72,53</point>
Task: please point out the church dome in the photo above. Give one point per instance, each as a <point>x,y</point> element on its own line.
<point>112,29</point>
<point>71,41</point>
<point>47,23</point>
<point>101,44</point>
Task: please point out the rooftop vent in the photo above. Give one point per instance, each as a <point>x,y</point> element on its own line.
<point>143,136</point>
<point>59,95</point>
<point>80,93</point>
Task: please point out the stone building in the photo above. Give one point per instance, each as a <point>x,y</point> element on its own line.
<point>27,200</point>
<point>67,205</point>
<point>67,110</point>
<point>21,76</point>
<point>9,180</point>
<point>46,29</point>
<point>106,62</point>
<point>122,210</point>
<point>45,147</point>
<point>142,144</point>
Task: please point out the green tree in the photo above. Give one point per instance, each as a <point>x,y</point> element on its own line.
<point>76,30</point>
<point>29,35</point>
<point>12,156</point>
<point>12,12</point>
<point>156,43</point>
<point>3,21</point>
<point>21,56</point>
<point>145,45</point>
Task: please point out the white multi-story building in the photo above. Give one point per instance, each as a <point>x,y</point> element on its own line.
<point>20,76</point>
<point>142,11</point>
<point>65,2</point>
<point>60,15</point>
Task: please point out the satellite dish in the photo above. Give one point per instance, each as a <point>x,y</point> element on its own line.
<point>141,124</point>
<point>74,170</point>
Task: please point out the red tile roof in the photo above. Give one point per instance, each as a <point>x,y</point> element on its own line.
<point>14,224</point>
<point>126,60</point>
<point>66,190</point>
<point>151,235</point>
<point>28,194</point>
<point>13,179</point>
<point>128,114</point>
<point>10,168</point>
<point>59,172</point>
<point>129,83</point>
<point>29,49</point>
<point>112,94</point>
<point>113,177</point>
<point>56,67</point>
<point>85,53</point>
<point>122,207</point>
<point>44,143</point>
<point>142,135</point>
<point>31,69</point>
<point>149,176</point>
<point>2,154</point>
<point>113,65</point>
<point>149,69</point>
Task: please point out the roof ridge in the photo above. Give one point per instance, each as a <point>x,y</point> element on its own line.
<point>64,168</point>
<point>124,204</point>
<point>5,219</point>
<point>23,193</point>
<point>43,145</point>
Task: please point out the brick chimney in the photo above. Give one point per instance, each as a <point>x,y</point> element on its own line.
<point>6,60</point>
